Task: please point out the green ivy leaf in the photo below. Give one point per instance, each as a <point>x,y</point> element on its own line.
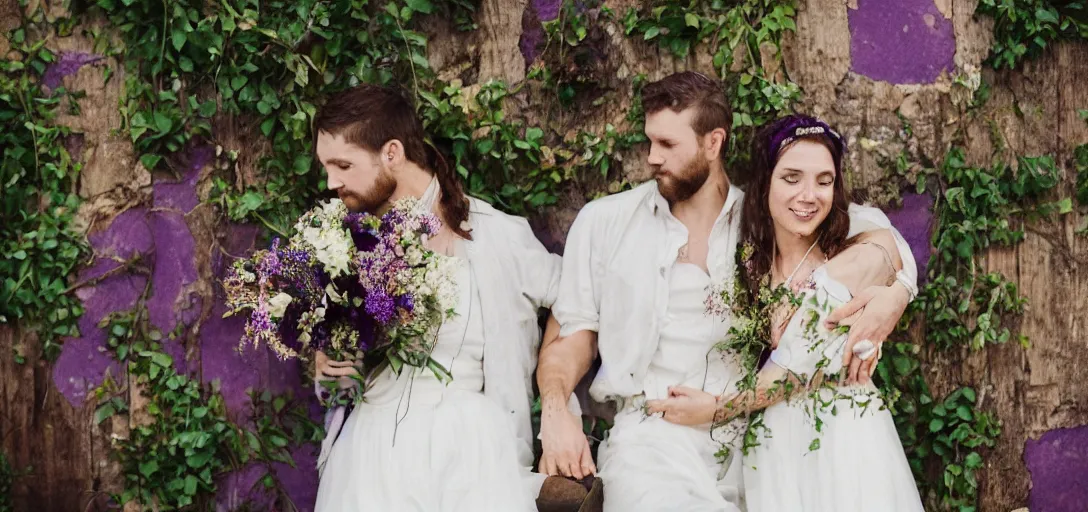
<point>104,411</point>
<point>198,460</point>
<point>162,359</point>
<point>177,37</point>
<point>148,467</point>
<point>423,6</point>
<point>190,485</point>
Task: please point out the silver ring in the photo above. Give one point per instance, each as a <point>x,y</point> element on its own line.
<point>864,350</point>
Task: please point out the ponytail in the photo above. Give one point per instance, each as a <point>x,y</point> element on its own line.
<point>453,201</point>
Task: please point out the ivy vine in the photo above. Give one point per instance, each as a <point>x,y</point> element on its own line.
<point>1023,29</point>
<point>183,438</point>
<point>38,238</point>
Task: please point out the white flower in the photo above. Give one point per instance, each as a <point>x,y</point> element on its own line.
<point>335,295</point>
<point>278,305</point>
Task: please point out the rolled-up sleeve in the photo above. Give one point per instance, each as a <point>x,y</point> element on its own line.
<point>867,218</point>
<point>578,306</point>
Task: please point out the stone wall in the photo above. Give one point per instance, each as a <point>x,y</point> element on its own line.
<point>865,65</point>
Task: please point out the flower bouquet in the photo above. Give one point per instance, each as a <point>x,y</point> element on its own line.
<point>358,287</point>
<point>408,289</point>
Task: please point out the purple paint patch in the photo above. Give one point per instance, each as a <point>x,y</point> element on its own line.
<point>175,267</point>
<point>915,222</point>
<point>83,363</point>
<point>300,482</point>
<point>903,42</point>
<point>243,488</point>
<point>181,195</point>
<point>125,237</point>
<point>532,31</point>
<point>67,65</point>
<point>547,10</point>
<point>220,359</point>
<point>1058,463</point>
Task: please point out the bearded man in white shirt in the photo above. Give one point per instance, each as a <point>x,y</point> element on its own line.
<point>635,274</point>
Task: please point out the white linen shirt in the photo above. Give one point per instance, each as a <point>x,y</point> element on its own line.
<point>515,277</point>
<point>616,268</point>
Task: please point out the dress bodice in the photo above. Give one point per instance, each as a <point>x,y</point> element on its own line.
<point>459,348</point>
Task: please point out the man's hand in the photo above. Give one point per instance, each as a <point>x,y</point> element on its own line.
<point>326,369</point>
<point>685,406</point>
<point>880,308</point>
<point>566,448</point>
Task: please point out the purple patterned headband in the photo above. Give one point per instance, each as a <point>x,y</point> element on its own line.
<point>796,126</point>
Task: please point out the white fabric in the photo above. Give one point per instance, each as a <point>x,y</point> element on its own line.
<point>687,336</point>
<point>648,464</point>
<point>515,277</point>
<point>615,275</point>
<point>617,267</point>
<point>859,465</point>
<point>417,444</point>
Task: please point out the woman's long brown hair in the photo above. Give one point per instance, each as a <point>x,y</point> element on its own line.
<point>758,226</point>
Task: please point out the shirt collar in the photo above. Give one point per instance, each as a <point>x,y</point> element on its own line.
<point>430,196</point>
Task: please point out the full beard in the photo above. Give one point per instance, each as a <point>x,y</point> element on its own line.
<point>677,187</point>
<point>371,200</point>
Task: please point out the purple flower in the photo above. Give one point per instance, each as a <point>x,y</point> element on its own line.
<point>380,306</point>
<point>406,302</point>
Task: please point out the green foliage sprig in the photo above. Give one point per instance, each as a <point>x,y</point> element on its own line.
<point>183,437</point>
<point>38,237</point>
<point>980,207</point>
<point>170,459</point>
<point>963,308</point>
<point>1024,28</point>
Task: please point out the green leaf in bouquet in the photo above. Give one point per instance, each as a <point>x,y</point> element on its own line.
<point>444,375</point>
<point>396,363</point>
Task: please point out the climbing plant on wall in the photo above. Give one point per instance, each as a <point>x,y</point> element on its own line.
<point>38,175</point>
<point>1023,29</point>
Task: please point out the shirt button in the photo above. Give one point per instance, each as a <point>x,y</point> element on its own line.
<point>662,271</point>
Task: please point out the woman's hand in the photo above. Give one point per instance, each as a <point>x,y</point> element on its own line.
<point>341,371</point>
<point>685,406</point>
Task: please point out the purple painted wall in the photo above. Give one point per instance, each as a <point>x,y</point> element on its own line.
<point>901,41</point>
<point>1058,463</point>
<point>532,31</point>
<point>914,220</point>
<point>68,64</point>
<point>159,233</point>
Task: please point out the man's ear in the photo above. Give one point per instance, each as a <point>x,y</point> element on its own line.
<point>714,141</point>
<point>391,154</point>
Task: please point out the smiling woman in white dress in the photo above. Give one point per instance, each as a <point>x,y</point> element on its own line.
<point>416,443</point>
<point>826,446</point>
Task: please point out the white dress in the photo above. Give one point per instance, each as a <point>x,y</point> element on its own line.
<point>417,444</point>
<point>859,464</point>
<point>649,464</point>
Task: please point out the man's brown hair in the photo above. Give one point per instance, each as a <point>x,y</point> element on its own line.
<point>680,91</point>
<point>370,115</point>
